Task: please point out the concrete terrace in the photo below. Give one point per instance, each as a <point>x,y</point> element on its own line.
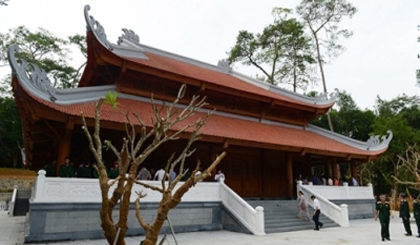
<point>365,231</point>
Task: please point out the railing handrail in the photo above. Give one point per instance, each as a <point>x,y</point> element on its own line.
<point>13,201</point>
<point>257,214</point>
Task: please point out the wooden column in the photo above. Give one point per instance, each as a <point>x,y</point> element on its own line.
<point>64,145</point>
<point>334,168</point>
<point>308,167</point>
<point>289,168</point>
<point>353,168</point>
<point>327,168</point>
<point>63,151</point>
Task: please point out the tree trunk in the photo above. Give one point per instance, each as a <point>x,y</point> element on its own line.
<point>324,83</point>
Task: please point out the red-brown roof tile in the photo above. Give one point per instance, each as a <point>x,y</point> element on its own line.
<point>219,126</point>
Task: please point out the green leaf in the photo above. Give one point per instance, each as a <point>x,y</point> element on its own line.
<point>111,98</point>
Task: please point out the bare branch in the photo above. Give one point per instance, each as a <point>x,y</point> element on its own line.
<point>155,188</point>
<point>142,222</point>
<point>114,181</point>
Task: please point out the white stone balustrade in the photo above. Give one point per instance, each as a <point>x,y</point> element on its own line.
<point>80,190</point>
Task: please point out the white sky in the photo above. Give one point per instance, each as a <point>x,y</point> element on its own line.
<point>381,56</point>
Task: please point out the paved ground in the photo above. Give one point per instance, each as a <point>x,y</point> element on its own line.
<point>361,232</point>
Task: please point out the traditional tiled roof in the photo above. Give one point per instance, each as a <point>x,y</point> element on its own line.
<point>226,127</point>
<point>130,49</point>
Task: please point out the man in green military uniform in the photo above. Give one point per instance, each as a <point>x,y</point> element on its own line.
<point>405,214</point>
<point>416,207</point>
<point>383,211</point>
<point>66,169</point>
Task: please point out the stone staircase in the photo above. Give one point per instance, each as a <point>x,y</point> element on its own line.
<point>22,203</point>
<point>281,216</point>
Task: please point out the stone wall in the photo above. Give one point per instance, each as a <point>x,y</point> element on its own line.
<point>359,209</point>
<point>76,221</point>
<point>7,184</point>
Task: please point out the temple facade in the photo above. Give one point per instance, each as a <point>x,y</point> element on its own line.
<point>264,129</point>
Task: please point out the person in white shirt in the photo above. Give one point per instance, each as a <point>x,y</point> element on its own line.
<point>317,212</point>
<point>220,177</point>
<point>159,175</point>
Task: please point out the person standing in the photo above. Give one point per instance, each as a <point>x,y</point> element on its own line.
<point>159,175</point>
<point>144,174</point>
<point>66,168</point>
<point>405,214</point>
<point>220,177</point>
<point>416,209</point>
<point>303,206</point>
<point>317,212</point>
<point>383,211</point>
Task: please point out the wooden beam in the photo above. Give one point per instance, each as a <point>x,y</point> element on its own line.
<point>53,130</point>
<point>303,152</point>
<point>349,157</point>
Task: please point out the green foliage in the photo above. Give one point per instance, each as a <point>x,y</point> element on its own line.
<point>281,52</point>
<point>399,115</point>
<point>322,18</point>
<point>111,98</point>
<point>10,132</point>
<point>45,50</point>
<point>348,119</point>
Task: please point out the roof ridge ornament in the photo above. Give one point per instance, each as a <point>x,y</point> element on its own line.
<point>377,140</point>
<point>96,27</point>
<point>327,96</point>
<point>30,74</point>
<point>224,65</point>
<point>129,35</point>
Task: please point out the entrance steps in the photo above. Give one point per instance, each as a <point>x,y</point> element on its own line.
<point>22,203</point>
<point>281,216</point>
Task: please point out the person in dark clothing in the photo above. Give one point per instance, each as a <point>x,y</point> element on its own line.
<point>317,212</point>
<point>114,171</point>
<point>383,211</point>
<point>405,214</point>
<point>67,169</point>
<point>416,207</point>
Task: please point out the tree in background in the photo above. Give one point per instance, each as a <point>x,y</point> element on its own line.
<point>49,53</point>
<point>3,2</point>
<point>281,52</point>
<point>10,133</point>
<point>348,119</point>
<point>45,50</point>
<point>169,122</point>
<point>400,116</point>
<point>322,18</point>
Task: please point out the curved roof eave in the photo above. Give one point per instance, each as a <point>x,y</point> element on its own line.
<point>376,143</point>
<point>130,47</point>
<point>36,82</point>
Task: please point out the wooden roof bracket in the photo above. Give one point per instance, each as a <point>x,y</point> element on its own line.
<point>53,130</point>
<point>303,152</point>
<point>349,156</point>
<point>202,87</point>
<point>226,143</point>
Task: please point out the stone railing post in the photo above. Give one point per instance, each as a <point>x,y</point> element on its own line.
<point>260,218</point>
<point>298,187</point>
<point>346,188</point>
<point>39,185</point>
<point>371,188</point>
<point>344,215</point>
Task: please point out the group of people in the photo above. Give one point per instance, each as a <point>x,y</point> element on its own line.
<point>384,213</point>
<point>326,180</point>
<point>86,170</point>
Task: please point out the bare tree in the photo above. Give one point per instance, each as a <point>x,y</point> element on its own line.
<point>408,172</point>
<point>164,121</point>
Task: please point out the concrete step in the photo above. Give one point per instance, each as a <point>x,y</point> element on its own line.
<point>281,216</point>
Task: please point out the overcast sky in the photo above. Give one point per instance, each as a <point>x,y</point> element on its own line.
<point>381,56</point>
